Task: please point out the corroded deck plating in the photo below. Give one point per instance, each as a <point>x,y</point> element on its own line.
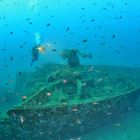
<point>109,92</point>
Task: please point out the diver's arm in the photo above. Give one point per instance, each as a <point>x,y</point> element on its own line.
<point>85,55</point>
<point>81,54</point>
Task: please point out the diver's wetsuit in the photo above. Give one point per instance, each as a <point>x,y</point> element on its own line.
<point>72,57</point>
<point>35,53</point>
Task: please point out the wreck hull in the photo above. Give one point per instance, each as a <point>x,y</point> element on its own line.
<point>69,121</point>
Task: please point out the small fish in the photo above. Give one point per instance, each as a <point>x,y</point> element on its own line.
<point>21,119</point>
<point>85,40</point>
<point>3,49</point>
<point>78,121</point>
<point>27,18</point>
<point>65,81</point>
<point>92,20</point>
<point>84,84</point>
<point>54,50</point>
<point>21,46</point>
<point>11,33</point>
<point>95,103</point>
<point>48,25</point>
<point>48,94</point>
<point>82,8</point>
<point>117,124</point>
<point>109,113</point>
<point>67,29</point>
<point>87,56</point>
<point>113,36</point>
<point>99,80</point>
<point>74,109</point>
<point>27,32</point>
<point>24,98</point>
<point>11,58</point>
<point>91,69</point>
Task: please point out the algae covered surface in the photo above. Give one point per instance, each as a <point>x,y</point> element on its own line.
<point>64,103</point>
<point>59,85</point>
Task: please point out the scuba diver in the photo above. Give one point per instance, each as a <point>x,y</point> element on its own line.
<point>35,53</point>
<point>72,57</point>
<point>35,50</point>
<point>38,48</point>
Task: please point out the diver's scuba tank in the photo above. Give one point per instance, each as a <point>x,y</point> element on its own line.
<point>37,38</point>
<point>40,47</point>
<point>35,49</point>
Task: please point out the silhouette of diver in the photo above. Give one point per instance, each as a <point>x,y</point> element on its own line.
<point>72,57</point>
<point>35,53</point>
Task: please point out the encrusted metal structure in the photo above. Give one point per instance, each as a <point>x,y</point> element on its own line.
<point>65,102</point>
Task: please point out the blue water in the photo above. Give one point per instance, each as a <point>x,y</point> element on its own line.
<point>111,28</point>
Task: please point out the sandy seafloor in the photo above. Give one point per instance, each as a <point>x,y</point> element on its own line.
<point>128,129</point>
